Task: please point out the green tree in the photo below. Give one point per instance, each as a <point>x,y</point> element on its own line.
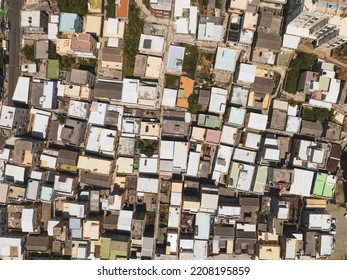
<point>146,3</point>
<point>132,39</point>
<point>52,51</point>
<point>318,114</point>
<point>110,9</point>
<point>73,6</point>
<point>147,147</point>
<point>29,52</point>
<point>194,106</point>
<point>66,62</point>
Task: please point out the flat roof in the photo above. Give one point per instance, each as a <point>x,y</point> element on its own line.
<point>243,155</point>
<point>226,59</point>
<point>95,165</point>
<point>150,44</point>
<point>122,9</point>
<point>193,164</point>
<point>247,73</point>
<point>169,97</point>
<point>202,226</point>
<point>237,116</point>
<point>218,100</point>
<point>257,121</point>
<point>176,57</point>
<point>147,185</point>
<point>302,183</point>
<point>21,92</point>
<point>324,185</point>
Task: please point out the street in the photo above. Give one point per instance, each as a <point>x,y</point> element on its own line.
<point>13,71</point>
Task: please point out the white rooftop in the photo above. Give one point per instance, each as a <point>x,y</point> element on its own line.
<point>147,185</point>
<point>21,92</point>
<point>97,114</point>
<point>169,97</point>
<point>226,59</point>
<point>243,155</point>
<point>150,44</point>
<point>290,41</point>
<point>302,182</point>
<point>130,91</point>
<point>257,121</point>
<point>246,73</point>
<point>218,100</point>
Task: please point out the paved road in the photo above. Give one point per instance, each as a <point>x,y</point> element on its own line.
<point>13,14</point>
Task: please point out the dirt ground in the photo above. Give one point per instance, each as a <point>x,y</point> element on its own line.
<point>341,231</point>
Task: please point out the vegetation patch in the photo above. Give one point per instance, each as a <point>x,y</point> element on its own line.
<point>172,81</point>
<point>191,57</point>
<point>111,9</point>
<point>147,147</point>
<point>147,3</point>
<point>29,52</point>
<point>302,61</point>
<point>74,6</point>
<point>318,114</point>
<point>204,66</point>
<point>132,39</point>
<point>193,101</point>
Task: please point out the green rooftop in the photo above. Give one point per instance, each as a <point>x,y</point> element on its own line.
<point>105,248</point>
<point>209,121</point>
<point>324,185</point>
<point>53,69</point>
<point>260,180</point>
<point>234,175</point>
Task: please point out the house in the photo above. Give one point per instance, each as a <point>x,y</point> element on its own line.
<point>113,29</point>
<point>122,9</point>
<point>324,185</point>
<point>65,185</point>
<point>209,200</point>
<point>84,45</point>
<point>175,59</point>
<point>161,8</point>
<point>240,176</point>
<point>246,74</point>
<point>292,246</point>
<point>175,124</point>
<point>222,164</point>
<point>38,244</point>
<point>115,246</point>
<point>34,22</point>
<point>185,90</point>
<point>223,239</point>
<point>43,94</point>
<point>248,27</point>
<point>70,23</point>
<point>12,248</point>
<point>236,116</point>
<point>39,121</point>
<point>71,133</point>
<point>80,77</point>
<point>245,239</point>
<point>29,220</point>
<point>67,161</point>
<point>111,58</point>
<point>302,183</point>
<point>238,6</point>
<point>91,230</point>
<point>108,91</point>
<point>315,220</point>
<point>92,25</point>
<point>257,121</point>
<point>173,156</point>
<point>21,92</point>
<point>14,119</point>
<point>218,100</point>
<point>185,22</point>
<point>101,140</point>
<point>210,28</point>
<point>78,109</point>
<point>151,45</point>
<point>226,59</point>
<point>27,152</point>
<point>314,129</point>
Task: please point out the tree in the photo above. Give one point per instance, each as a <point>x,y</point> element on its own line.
<point>110,9</point>
<point>318,114</point>
<point>147,147</point>
<point>194,106</point>
<point>52,51</point>
<point>132,39</point>
<point>29,52</point>
<point>74,6</point>
<point>66,62</point>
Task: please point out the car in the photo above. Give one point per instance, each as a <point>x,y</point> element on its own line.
<point>8,26</point>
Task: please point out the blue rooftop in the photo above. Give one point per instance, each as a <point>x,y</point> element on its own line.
<point>237,116</point>
<point>70,22</point>
<point>175,60</point>
<point>46,194</point>
<point>202,226</point>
